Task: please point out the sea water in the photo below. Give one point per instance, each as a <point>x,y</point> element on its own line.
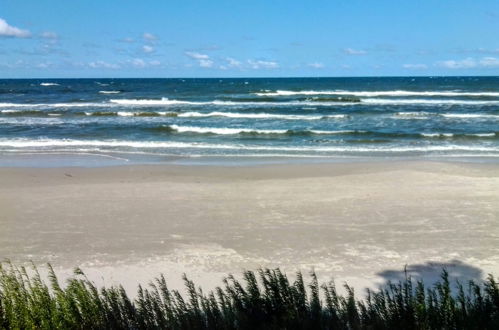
<point>281,117</point>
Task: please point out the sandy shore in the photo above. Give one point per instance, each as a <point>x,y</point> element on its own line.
<point>359,222</point>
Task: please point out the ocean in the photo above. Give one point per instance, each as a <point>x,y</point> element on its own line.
<point>262,117</point>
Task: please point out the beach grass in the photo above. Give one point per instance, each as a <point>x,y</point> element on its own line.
<point>265,299</point>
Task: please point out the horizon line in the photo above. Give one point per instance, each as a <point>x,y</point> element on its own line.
<point>265,77</point>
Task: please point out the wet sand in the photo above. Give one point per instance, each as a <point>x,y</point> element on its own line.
<point>351,221</point>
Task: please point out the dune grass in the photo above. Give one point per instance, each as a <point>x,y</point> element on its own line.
<point>265,299</point>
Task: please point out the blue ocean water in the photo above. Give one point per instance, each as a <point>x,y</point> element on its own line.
<point>299,117</point>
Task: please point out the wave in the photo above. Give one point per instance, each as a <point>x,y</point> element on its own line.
<point>163,101</point>
<point>47,143</point>
<point>130,114</point>
<point>269,99</point>
<point>426,102</point>
<point>411,115</point>
<point>109,92</point>
<point>377,93</point>
<point>166,102</point>
<point>48,84</point>
<point>52,105</point>
<point>22,112</point>
<point>483,134</point>
<point>437,135</point>
<point>469,115</point>
<point>234,131</point>
<point>426,115</point>
<point>308,102</point>
<point>137,114</point>
<point>191,114</point>
<point>11,111</point>
<point>451,135</point>
<point>257,115</point>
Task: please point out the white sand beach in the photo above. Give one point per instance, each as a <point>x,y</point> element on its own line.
<point>354,222</point>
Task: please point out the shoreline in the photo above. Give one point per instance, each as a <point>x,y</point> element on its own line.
<point>61,159</point>
<point>347,220</point>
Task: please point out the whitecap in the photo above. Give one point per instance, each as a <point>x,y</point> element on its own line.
<point>376,93</point>
<point>109,92</point>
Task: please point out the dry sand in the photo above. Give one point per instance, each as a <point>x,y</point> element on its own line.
<point>360,222</point>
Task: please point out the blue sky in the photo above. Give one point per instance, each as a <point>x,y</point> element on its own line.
<point>259,38</point>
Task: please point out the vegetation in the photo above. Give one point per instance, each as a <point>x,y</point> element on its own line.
<point>266,299</point>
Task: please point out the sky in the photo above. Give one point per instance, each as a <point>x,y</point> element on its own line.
<point>258,38</point>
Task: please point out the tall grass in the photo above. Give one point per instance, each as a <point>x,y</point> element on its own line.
<point>266,299</point>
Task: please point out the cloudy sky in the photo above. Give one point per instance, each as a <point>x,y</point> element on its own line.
<point>256,38</point>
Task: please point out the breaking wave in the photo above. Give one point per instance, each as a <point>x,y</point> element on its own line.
<point>377,93</point>
<point>44,143</point>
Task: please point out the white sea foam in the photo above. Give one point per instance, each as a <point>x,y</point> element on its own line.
<point>152,102</point>
<point>222,131</point>
<point>482,134</point>
<point>125,114</point>
<point>166,102</point>
<point>47,143</point>
<point>469,115</point>
<point>426,102</point>
<point>413,113</point>
<point>48,84</point>
<point>10,111</point>
<point>232,131</point>
<point>376,93</point>
<point>448,135</point>
<point>256,115</point>
<point>303,104</point>
<point>109,92</point>
<point>437,135</point>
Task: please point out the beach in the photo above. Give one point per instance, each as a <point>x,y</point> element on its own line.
<point>359,222</point>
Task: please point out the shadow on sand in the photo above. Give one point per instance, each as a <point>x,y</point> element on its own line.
<point>431,272</point>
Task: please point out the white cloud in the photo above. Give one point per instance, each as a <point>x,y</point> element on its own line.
<point>233,63</point>
<point>263,64</point>
<point>147,49</point>
<point>154,63</point>
<point>149,36</point>
<point>7,30</point>
<point>316,65</point>
<point>470,63</point>
<point>206,63</point>
<point>103,65</point>
<point>204,60</point>
<point>44,65</point>
<point>138,63</point>
<point>489,62</point>
<point>197,56</point>
<point>461,64</point>
<point>351,51</point>
<point>415,66</point>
